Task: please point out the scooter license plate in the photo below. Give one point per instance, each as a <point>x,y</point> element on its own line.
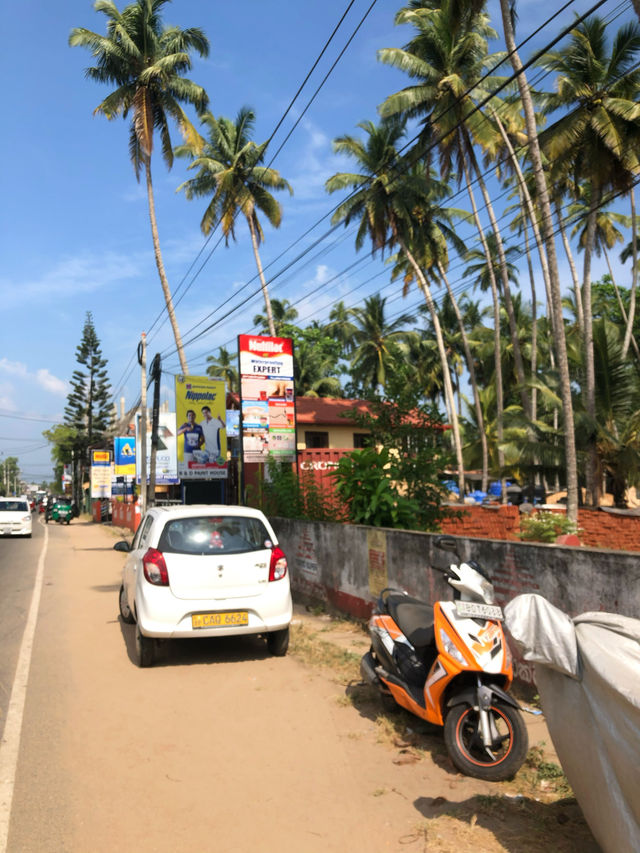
<point>475,610</point>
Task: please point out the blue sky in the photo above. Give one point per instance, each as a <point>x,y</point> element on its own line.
<point>75,233</point>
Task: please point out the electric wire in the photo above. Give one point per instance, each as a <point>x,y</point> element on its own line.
<point>316,242</point>
<point>475,85</point>
<point>485,100</point>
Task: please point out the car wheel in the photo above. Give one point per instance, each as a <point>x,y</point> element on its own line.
<point>125,610</point>
<point>144,649</point>
<point>278,642</point>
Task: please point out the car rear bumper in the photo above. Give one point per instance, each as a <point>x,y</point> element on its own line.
<point>269,612</point>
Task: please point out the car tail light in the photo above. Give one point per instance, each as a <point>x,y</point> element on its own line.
<point>155,568</point>
<point>278,565</point>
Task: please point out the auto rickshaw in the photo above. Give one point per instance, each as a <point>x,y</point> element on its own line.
<point>62,511</point>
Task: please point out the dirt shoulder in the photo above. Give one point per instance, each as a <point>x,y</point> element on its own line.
<point>307,731</point>
<point>534,811</point>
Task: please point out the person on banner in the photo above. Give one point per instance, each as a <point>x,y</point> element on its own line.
<point>193,436</point>
<point>211,430</point>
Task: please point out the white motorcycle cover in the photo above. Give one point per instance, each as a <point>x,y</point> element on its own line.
<point>588,678</point>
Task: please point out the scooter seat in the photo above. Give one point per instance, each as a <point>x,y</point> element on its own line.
<point>414,618</point>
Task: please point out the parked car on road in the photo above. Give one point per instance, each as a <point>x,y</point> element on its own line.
<point>204,571</point>
<point>15,517</point>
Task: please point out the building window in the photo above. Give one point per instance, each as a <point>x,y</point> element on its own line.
<point>314,440</point>
<point>361,439</point>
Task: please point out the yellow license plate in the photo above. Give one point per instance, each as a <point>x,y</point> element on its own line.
<point>219,620</point>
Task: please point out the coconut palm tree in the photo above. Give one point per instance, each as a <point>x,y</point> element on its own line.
<point>229,172</point>
<point>386,197</point>
<point>508,13</point>
<point>605,238</point>
<point>314,368</point>
<point>340,326</point>
<point>448,57</point>
<point>224,365</point>
<point>596,140</point>
<point>283,314</point>
<point>146,61</point>
<point>432,233</point>
<point>379,343</point>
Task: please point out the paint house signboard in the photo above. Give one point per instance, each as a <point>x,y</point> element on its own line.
<point>202,436</point>
<point>268,400</point>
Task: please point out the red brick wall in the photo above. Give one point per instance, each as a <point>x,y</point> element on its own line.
<point>597,528</point>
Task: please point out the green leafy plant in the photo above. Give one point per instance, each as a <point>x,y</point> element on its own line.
<point>545,526</point>
<point>285,493</point>
<point>400,472</point>
<point>364,480</point>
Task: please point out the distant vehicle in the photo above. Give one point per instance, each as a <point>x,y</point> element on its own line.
<point>61,511</point>
<point>15,517</point>
<point>205,571</point>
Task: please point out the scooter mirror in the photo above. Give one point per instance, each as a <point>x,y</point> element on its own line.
<point>447,543</point>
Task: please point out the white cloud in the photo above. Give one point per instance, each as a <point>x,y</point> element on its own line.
<point>51,383</point>
<point>13,368</point>
<point>71,276</point>
<point>315,162</point>
<point>41,377</point>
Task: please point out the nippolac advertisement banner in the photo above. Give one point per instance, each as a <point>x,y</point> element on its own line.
<point>202,436</point>
<point>267,398</point>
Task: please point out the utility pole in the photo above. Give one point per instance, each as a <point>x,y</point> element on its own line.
<point>142,361</point>
<point>155,373</point>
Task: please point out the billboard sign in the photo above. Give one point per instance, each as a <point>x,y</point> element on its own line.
<point>202,435</point>
<point>166,457</point>
<point>124,456</point>
<point>101,472</point>
<point>267,398</point>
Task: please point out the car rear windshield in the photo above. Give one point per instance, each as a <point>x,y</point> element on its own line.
<point>214,535</point>
<point>14,506</point>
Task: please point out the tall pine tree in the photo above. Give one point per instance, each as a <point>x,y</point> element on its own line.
<point>88,410</point>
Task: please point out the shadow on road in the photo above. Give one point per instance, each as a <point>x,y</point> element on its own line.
<point>199,651</point>
<point>518,823</point>
<point>409,733</point>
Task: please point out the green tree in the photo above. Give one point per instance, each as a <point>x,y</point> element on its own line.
<point>380,345</point>
<point>146,62</point>
<point>508,10</point>
<point>396,482</point>
<point>9,475</point>
<point>229,172</point>
<point>283,314</point>
<point>448,58</point>
<point>88,412</point>
<point>224,365</point>
<point>316,356</point>
<point>386,197</point>
<point>595,139</point>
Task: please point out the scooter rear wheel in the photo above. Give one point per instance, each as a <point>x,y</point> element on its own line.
<point>463,739</point>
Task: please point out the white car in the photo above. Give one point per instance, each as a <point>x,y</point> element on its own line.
<point>204,571</point>
<point>15,517</point>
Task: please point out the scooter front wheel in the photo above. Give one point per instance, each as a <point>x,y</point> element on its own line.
<point>494,763</point>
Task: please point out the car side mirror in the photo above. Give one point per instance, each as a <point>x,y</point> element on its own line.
<point>122,545</point>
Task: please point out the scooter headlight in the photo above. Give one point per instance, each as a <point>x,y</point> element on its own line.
<point>450,647</point>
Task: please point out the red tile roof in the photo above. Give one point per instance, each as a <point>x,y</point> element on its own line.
<point>328,411</point>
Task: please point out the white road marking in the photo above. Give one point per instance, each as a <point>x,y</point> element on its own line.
<point>10,744</point>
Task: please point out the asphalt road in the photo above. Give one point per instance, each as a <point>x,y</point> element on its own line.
<point>18,563</point>
<point>218,747</point>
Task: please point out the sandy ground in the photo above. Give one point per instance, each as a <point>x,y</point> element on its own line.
<point>222,747</point>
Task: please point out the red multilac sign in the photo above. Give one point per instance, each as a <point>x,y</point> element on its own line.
<point>267,398</point>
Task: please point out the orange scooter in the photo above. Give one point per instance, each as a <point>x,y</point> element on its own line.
<point>449,664</point>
